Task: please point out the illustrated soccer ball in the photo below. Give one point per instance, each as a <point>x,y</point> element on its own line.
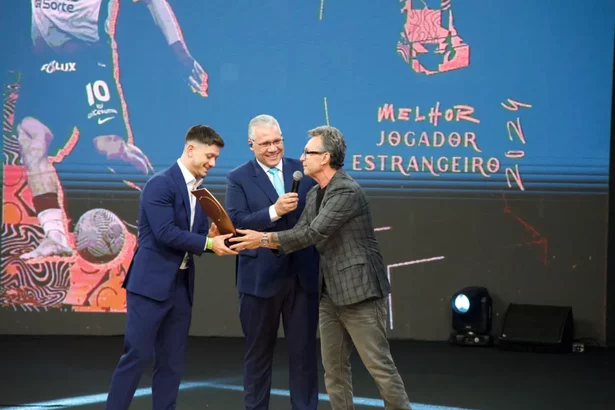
<point>99,235</point>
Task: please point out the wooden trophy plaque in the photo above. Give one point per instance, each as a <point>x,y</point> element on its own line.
<point>215,211</point>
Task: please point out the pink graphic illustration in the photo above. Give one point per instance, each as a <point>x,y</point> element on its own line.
<point>430,31</point>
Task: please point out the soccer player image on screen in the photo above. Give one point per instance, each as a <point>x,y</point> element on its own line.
<point>71,87</point>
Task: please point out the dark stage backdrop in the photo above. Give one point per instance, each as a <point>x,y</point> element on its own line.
<point>480,131</point>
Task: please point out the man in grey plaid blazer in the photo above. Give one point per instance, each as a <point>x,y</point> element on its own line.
<point>353,282</point>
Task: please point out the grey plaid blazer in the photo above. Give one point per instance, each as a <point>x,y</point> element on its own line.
<point>343,233</point>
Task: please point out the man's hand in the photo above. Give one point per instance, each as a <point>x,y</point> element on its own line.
<point>213,231</point>
<point>198,79</point>
<point>286,203</point>
<point>220,248</point>
<point>249,240</point>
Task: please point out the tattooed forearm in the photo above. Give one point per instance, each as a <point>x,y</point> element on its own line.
<point>274,241</point>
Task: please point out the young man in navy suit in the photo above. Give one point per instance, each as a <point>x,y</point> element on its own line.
<point>259,197</point>
<point>160,280</point>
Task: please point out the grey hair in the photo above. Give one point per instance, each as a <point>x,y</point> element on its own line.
<point>262,120</point>
<point>332,142</point>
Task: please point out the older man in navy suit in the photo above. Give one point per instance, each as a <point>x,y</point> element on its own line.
<point>259,197</point>
<point>160,279</point>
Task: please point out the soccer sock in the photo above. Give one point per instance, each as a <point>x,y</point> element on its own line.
<point>51,217</point>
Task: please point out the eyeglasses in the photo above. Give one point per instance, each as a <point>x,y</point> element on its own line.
<point>306,152</point>
<point>265,145</point>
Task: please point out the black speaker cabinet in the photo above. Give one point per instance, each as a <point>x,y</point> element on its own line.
<point>537,328</point>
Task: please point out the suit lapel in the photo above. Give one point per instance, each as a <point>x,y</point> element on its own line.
<point>197,217</point>
<point>263,182</point>
<point>183,189</point>
<point>334,180</point>
<point>310,202</point>
<point>321,202</point>
<point>288,171</point>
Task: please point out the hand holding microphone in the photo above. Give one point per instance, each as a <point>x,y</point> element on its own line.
<point>289,201</point>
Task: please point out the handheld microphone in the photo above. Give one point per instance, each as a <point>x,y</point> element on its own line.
<point>297,175</point>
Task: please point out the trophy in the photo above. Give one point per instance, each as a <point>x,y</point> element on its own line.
<point>215,212</point>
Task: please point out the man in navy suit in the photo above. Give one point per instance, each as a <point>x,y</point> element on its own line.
<point>160,280</point>
<point>259,197</point>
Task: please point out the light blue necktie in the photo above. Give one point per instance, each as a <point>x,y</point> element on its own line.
<point>277,181</point>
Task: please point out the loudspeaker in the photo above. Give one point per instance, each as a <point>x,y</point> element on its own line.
<point>537,328</point>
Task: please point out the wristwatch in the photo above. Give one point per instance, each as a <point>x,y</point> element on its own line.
<point>264,240</point>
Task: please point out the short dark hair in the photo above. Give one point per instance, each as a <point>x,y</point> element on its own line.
<point>332,142</point>
<point>205,135</point>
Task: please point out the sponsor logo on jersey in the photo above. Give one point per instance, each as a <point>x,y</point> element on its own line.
<point>102,114</point>
<point>66,6</point>
<point>101,121</point>
<point>54,66</point>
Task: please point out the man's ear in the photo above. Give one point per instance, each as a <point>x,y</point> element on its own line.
<point>324,158</point>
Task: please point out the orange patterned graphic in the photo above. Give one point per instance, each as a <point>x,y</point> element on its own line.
<point>88,280</point>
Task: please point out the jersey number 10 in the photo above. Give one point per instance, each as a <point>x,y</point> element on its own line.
<point>98,92</point>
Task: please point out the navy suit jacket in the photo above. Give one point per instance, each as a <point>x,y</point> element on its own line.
<point>165,236</point>
<point>262,272</point>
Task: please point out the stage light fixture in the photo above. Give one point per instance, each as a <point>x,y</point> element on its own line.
<point>472,310</point>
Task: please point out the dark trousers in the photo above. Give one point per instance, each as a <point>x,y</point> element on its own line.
<point>260,319</point>
<point>158,328</point>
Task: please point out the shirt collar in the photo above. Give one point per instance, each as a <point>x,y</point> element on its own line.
<point>266,168</point>
<point>188,177</point>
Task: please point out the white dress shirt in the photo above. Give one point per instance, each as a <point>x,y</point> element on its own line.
<point>272,213</point>
<point>191,184</point>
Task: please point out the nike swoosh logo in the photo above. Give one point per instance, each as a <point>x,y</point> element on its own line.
<point>104,120</point>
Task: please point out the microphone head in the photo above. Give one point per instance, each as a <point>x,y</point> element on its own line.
<point>297,175</point>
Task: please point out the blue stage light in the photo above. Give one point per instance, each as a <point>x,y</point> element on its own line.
<point>472,310</point>
<point>461,303</point>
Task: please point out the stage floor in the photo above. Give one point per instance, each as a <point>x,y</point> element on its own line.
<point>56,372</point>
